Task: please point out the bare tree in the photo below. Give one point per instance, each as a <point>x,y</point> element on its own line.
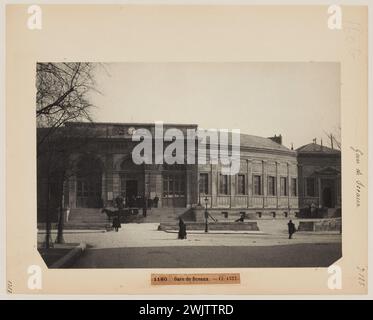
<point>61,97</point>
<point>334,138</point>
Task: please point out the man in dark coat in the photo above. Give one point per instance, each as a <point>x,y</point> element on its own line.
<point>119,202</point>
<point>291,228</point>
<point>116,221</point>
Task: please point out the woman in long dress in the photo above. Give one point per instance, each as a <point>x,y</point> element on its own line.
<point>182,229</point>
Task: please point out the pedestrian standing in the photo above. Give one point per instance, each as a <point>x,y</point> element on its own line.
<point>291,229</point>
<point>116,221</point>
<point>182,229</point>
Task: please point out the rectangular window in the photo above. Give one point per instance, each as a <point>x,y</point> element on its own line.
<point>283,186</point>
<point>173,185</point>
<point>271,186</point>
<point>241,184</point>
<point>223,184</point>
<point>294,187</point>
<point>80,188</point>
<point>257,185</point>
<point>204,183</point>
<point>310,187</point>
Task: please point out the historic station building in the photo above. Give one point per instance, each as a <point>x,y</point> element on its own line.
<point>272,179</point>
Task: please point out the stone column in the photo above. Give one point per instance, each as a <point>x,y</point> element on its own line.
<point>277,187</point>
<point>232,190</point>
<point>147,182</point>
<point>109,179</point>
<point>319,191</point>
<point>192,187</point>
<point>249,180</point>
<point>116,184</point>
<point>264,179</point>
<point>103,188</point>
<point>288,185</point>
<point>214,184</point>
<point>194,179</point>
<point>158,181</point>
<point>301,190</point>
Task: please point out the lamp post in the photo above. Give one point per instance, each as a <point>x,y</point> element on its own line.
<point>206,216</point>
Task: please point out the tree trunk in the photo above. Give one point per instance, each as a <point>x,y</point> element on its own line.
<point>47,218</point>
<point>61,213</point>
<point>61,220</point>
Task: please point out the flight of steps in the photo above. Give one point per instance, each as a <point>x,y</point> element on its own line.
<point>87,218</point>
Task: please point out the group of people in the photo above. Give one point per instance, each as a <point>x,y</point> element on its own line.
<point>120,205</point>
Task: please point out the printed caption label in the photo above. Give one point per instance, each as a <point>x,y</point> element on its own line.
<point>195,278</point>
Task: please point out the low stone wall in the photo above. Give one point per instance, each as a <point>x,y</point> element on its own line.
<point>321,225</point>
<point>230,215</point>
<point>235,226</point>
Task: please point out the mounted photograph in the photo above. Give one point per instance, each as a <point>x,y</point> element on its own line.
<point>188,164</point>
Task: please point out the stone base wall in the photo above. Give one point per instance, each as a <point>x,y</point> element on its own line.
<point>231,215</point>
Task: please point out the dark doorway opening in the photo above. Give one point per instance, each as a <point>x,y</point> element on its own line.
<point>131,192</point>
<point>89,178</point>
<point>327,198</point>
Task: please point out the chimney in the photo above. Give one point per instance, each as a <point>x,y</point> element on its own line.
<point>321,144</point>
<point>277,139</point>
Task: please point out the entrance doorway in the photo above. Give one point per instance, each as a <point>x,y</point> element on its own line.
<point>131,192</point>
<point>174,189</point>
<point>89,177</point>
<point>327,198</point>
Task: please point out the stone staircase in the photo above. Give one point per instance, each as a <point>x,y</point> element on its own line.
<point>87,218</point>
<point>95,219</point>
<point>333,213</point>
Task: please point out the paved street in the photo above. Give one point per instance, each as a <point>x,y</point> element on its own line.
<point>296,255</point>
<point>142,245</point>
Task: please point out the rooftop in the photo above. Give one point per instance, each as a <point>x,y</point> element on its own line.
<point>317,148</point>
<point>120,130</point>
<point>248,140</point>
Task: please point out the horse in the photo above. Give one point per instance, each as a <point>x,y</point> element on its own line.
<point>109,213</point>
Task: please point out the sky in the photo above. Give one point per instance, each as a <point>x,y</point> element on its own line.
<point>299,100</point>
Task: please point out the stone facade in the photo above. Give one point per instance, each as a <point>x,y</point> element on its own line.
<point>319,170</point>
<point>272,180</point>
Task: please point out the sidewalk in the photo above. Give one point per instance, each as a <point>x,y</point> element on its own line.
<point>61,255</point>
<point>147,235</point>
